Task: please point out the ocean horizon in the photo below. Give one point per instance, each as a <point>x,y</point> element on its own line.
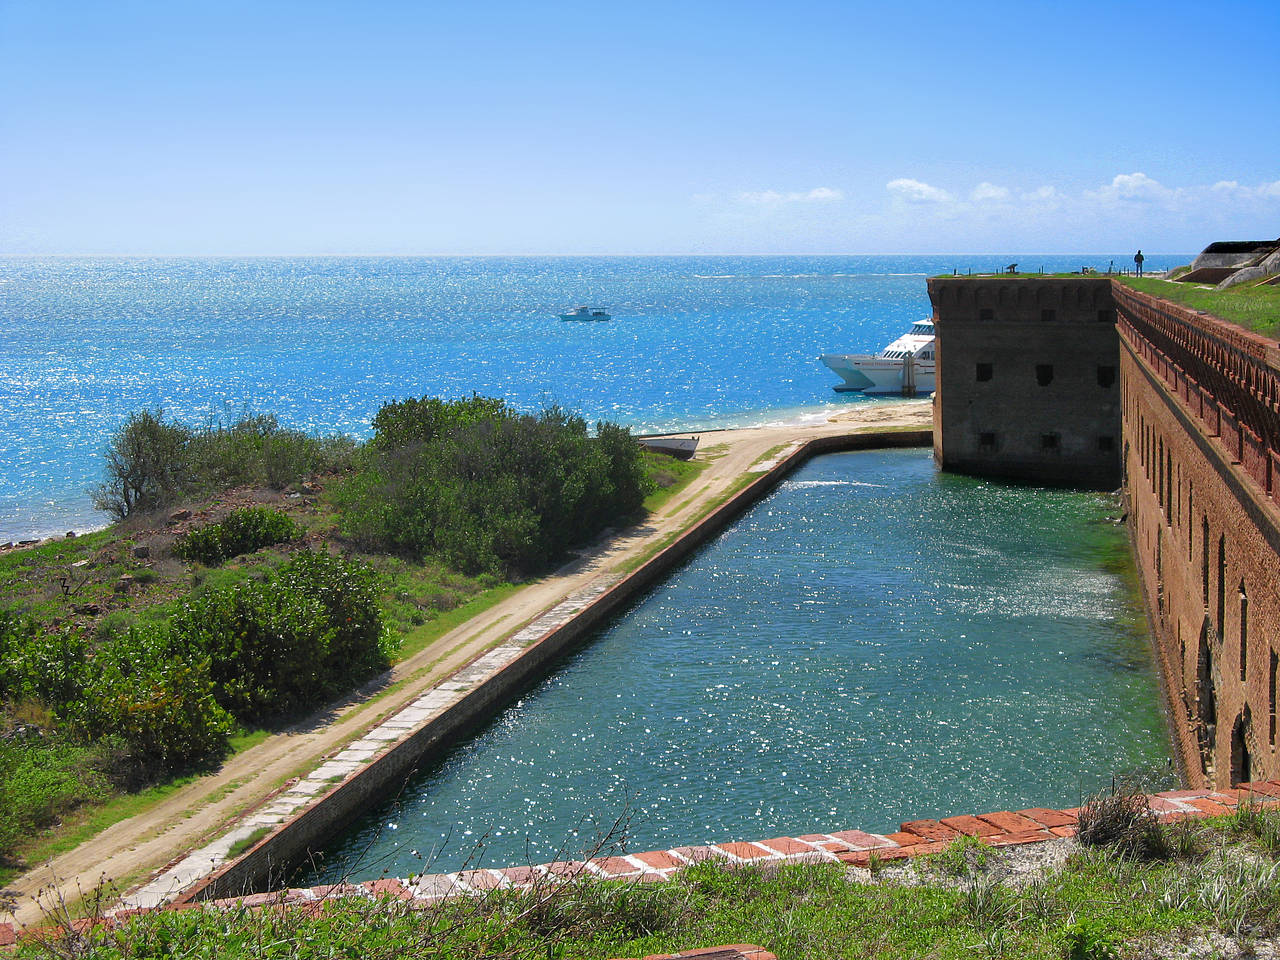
<point>696,343</point>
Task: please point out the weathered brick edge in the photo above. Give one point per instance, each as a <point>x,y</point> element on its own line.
<point>1003,828</point>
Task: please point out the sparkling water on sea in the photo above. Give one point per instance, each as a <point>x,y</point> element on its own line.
<point>696,342</point>
<point>874,642</point>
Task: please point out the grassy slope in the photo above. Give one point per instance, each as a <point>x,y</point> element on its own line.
<point>1218,876</point>
<point>421,601</point>
<point>1255,308</point>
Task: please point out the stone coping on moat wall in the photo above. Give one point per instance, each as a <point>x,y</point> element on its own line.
<point>854,848</point>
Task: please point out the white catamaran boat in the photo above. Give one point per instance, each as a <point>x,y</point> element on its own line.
<point>586,313</point>
<point>905,366</point>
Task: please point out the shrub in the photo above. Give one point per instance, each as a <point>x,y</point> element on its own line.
<point>241,531</point>
<point>361,645</point>
<point>145,465</point>
<point>256,449</point>
<point>159,703</point>
<point>279,646</point>
<point>151,462</point>
<point>48,665</point>
<point>41,779</point>
<point>487,489</point>
<point>1122,821</point>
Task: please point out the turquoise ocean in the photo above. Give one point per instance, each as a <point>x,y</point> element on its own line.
<point>697,342</point>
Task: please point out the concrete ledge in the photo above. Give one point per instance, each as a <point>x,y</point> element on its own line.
<point>269,861</point>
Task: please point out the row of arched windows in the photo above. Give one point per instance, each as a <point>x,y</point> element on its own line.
<point>1184,521</point>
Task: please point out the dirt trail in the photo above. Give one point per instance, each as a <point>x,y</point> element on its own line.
<point>130,851</point>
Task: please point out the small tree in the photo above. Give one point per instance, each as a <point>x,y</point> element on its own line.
<point>146,464</point>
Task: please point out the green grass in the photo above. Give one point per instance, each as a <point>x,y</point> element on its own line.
<point>959,904</point>
<point>670,476</point>
<point>240,846</point>
<point>1256,308</point>
<point>421,637</point>
<point>40,580</point>
<point>86,822</point>
<point>1098,274</point>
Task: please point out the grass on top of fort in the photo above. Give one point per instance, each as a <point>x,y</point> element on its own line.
<point>1255,308</point>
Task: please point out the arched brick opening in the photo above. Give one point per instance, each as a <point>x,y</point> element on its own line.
<point>1206,700</point>
<point>1241,759</point>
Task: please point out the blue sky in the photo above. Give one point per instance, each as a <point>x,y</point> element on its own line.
<point>565,128</point>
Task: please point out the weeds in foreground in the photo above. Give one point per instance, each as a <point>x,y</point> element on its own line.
<point>1122,821</point>
<point>1253,820</point>
<point>1242,895</point>
<point>964,857</point>
<point>1103,902</point>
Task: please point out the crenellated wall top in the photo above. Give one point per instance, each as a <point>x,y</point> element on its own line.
<point>1019,296</point>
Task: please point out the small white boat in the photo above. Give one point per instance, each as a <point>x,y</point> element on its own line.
<point>906,366</point>
<point>586,313</point>
<point>682,448</point>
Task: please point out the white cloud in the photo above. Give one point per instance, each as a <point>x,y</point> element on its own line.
<point>816,195</point>
<point>1044,193</point>
<point>1233,188</point>
<point>915,191</point>
<point>988,192</point>
<point>1135,187</point>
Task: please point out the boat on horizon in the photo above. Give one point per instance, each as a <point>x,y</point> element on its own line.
<point>906,366</point>
<point>586,313</point>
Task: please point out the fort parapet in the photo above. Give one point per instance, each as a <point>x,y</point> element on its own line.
<point>1028,385</point>
<point>1195,414</point>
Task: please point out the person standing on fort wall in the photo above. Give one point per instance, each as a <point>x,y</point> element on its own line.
<point>1137,259</point>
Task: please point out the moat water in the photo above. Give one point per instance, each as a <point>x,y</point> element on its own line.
<point>873,642</point>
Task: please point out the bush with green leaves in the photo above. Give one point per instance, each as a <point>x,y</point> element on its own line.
<point>152,462</point>
<point>281,645</point>
<point>143,690</point>
<point>241,531</point>
<point>146,465</point>
<point>487,489</point>
<point>41,778</point>
<point>41,664</point>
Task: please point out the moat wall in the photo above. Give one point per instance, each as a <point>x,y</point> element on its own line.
<point>1197,420</point>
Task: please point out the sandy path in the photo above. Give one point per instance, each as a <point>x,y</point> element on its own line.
<point>131,850</point>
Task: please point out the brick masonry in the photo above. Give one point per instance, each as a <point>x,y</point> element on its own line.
<point>853,848</point>
<point>1201,483</point>
<point>1027,385</point>
<point>1191,429</point>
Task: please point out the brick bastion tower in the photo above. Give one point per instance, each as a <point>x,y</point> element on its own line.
<point>1087,382</point>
